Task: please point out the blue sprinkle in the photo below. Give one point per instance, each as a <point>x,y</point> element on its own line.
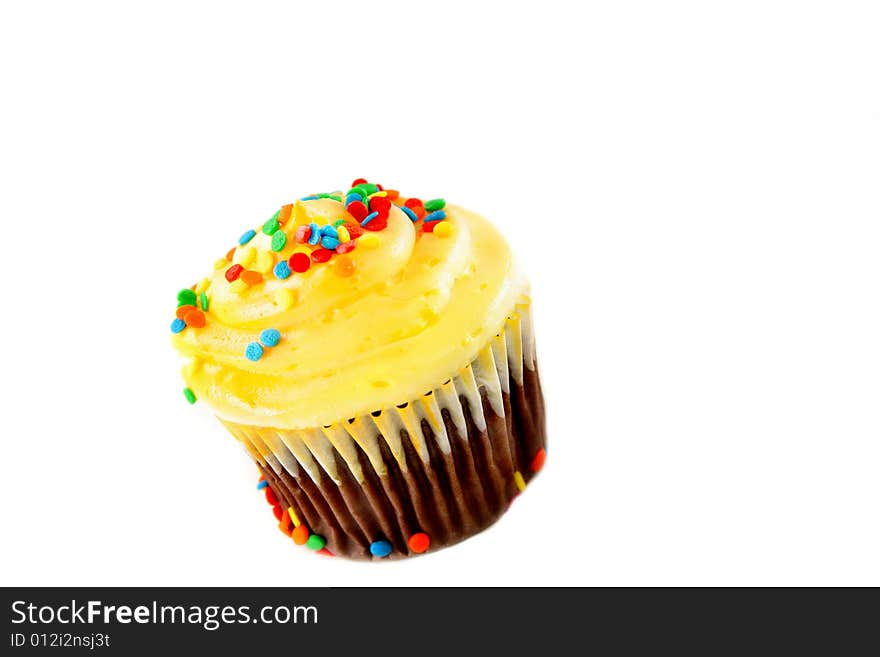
<point>329,243</point>
<point>247,237</point>
<point>435,216</point>
<point>282,270</point>
<point>351,198</point>
<point>409,213</point>
<point>369,218</point>
<point>177,325</point>
<point>330,231</point>
<point>314,234</point>
<point>310,198</point>
<point>380,548</point>
<point>270,337</point>
<point>262,484</point>
<point>254,351</point>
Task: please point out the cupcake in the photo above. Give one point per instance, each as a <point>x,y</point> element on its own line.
<point>374,354</point>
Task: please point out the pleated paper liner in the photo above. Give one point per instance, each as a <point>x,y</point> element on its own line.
<point>419,476</point>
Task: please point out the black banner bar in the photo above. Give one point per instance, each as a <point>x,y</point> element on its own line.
<point>419,621</point>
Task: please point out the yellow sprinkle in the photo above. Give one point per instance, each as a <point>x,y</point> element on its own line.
<point>293,517</point>
<point>382,193</point>
<point>244,256</point>
<point>368,241</point>
<point>517,477</point>
<point>285,298</point>
<point>443,229</point>
<point>221,263</point>
<point>202,285</point>
<point>344,237</point>
<point>265,261</point>
<point>238,286</point>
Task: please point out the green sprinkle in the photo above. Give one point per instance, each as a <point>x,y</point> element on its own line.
<point>315,542</point>
<point>369,187</point>
<point>435,204</point>
<point>338,223</point>
<point>203,301</point>
<point>322,195</point>
<point>335,197</point>
<point>190,395</point>
<point>356,190</point>
<point>271,226</point>
<point>186,297</point>
<point>279,239</point>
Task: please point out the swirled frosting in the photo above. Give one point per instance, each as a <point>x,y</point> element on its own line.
<point>400,313</point>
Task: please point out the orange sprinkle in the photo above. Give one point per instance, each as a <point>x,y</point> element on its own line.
<point>538,461</point>
<point>392,194</point>
<point>344,266</point>
<point>419,542</point>
<point>285,214</point>
<point>285,525</point>
<point>195,318</point>
<point>251,277</point>
<point>182,311</point>
<point>229,254</point>
<point>300,535</point>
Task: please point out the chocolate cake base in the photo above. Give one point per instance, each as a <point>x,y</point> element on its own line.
<point>450,497</point>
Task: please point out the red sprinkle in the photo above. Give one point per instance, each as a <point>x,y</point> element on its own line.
<point>321,255</point>
<point>538,461</point>
<point>300,535</point>
<point>354,230</point>
<point>348,247</point>
<point>357,210</point>
<point>378,203</point>
<point>379,187</point>
<point>377,224</point>
<point>277,511</point>
<point>359,181</point>
<point>429,227</point>
<point>271,499</point>
<point>326,552</point>
<point>413,203</point>
<point>234,272</point>
<point>420,542</point>
<point>303,233</point>
<point>299,262</point>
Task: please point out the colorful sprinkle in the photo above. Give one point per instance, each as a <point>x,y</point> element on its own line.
<point>254,351</point>
<point>443,229</point>
<point>357,210</point>
<point>181,311</point>
<point>276,510</point>
<point>342,234</point>
<point>346,247</point>
<point>329,242</point>
<point>203,285</point>
<point>538,462</point>
<point>419,542</point>
<point>195,318</point>
<point>246,237</point>
<point>271,224</point>
<point>284,298</point>
<point>203,301</point>
<point>369,241</point>
<point>285,213</point>
<point>435,216</point>
<point>409,213</point>
<point>314,234</point>
<point>369,218</point>
<point>186,297</point>
<point>313,197</point>
<point>244,256</point>
<point>359,181</point>
<point>354,230</point>
<point>303,233</point>
<point>251,277</point>
<point>329,231</point>
<point>316,542</point>
<point>265,260</point>
<point>300,535</point>
<point>279,240</point>
<point>229,254</point>
<point>261,484</point>
<point>414,203</point>
<point>518,479</point>
<point>321,255</point>
<point>293,517</point>
<point>435,204</point>
<point>237,287</point>
<point>190,395</point>
<point>177,325</point>
<point>282,270</point>
<point>300,262</point>
<point>429,227</point>
<point>380,548</point>
<point>270,337</point>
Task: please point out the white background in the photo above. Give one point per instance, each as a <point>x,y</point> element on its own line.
<point>692,187</point>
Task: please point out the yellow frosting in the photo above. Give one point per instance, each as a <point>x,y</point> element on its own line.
<point>406,313</point>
